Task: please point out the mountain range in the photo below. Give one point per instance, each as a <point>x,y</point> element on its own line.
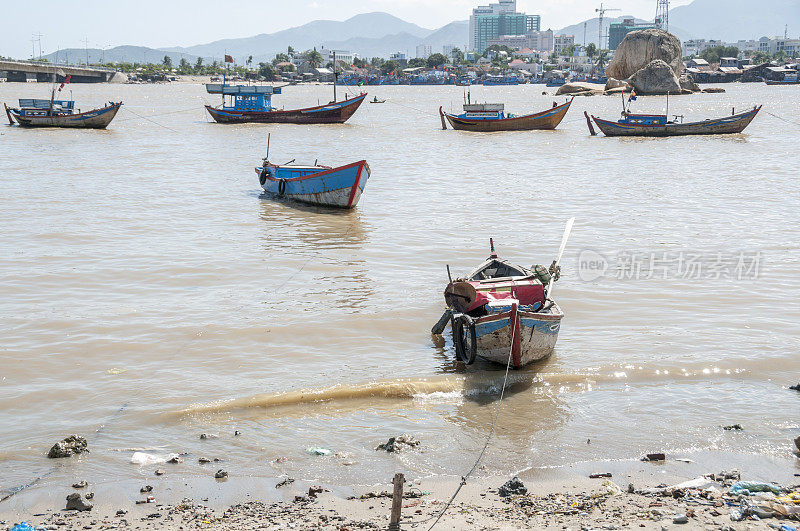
<point>380,34</point>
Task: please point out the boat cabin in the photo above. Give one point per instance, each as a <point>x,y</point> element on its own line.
<point>244,97</point>
<point>484,111</point>
<point>644,119</point>
<point>33,107</point>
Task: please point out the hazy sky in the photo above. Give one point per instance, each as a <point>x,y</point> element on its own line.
<point>161,23</point>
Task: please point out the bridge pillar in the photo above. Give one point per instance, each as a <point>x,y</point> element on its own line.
<point>45,77</point>
<point>18,77</point>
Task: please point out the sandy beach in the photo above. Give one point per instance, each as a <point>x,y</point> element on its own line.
<point>644,495</point>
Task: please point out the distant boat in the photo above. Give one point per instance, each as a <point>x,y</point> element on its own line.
<point>658,125</point>
<point>60,113</point>
<point>788,79</point>
<point>487,117</point>
<point>555,82</point>
<point>317,185</point>
<point>376,100</point>
<point>500,80</point>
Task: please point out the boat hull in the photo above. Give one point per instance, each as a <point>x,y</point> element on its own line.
<point>94,119</point>
<point>546,120</point>
<point>337,187</point>
<point>722,126</point>
<point>527,336</point>
<point>333,113</point>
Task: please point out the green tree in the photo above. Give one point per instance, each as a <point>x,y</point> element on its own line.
<point>313,58</point>
<point>249,60</point>
<point>417,62</point>
<point>184,67</point>
<point>377,61</point>
<point>198,66</point>
<point>167,61</point>
<point>388,66</point>
<point>360,63</point>
<point>280,58</point>
<point>267,71</point>
<point>713,53</point>
<point>436,60</point>
<point>602,58</point>
<point>760,57</point>
<point>591,50</point>
<point>457,56</point>
<point>290,51</point>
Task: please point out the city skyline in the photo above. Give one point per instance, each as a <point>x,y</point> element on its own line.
<point>186,23</point>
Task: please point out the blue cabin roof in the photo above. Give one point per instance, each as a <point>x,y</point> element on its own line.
<point>645,119</point>
<point>245,97</point>
<point>45,104</point>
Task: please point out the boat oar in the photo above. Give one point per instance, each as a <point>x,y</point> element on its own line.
<point>440,325</point>
<point>564,239</point>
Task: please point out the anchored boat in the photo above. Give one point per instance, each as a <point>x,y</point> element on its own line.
<point>488,117</point>
<point>317,185</point>
<point>60,113</point>
<point>253,104</point>
<point>658,125</point>
<point>504,312</point>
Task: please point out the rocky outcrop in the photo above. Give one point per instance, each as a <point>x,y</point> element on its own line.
<point>75,502</point>
<point>686,82</point>
<point>656,78</point>
<point>613,83</point>
<point>72,445</point>
<point>579,88</point>
<point>640,48</point>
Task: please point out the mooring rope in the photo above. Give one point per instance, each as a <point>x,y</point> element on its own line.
<point>466,476</point>
<point>784,119</point>
<point>153,121</point>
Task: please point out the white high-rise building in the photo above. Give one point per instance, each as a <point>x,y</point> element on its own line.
<point>501,7</point>
<point>423,51</point>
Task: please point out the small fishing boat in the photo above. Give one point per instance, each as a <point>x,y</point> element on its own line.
<point>253,104</point>
<point>789,78</point>
<point>376,100</point>
<point>60,113</point>
<point>490,80</point>
<point>504,312</point>
<point>316,184</point>
<point>487,117</point>
<point>657,125</point>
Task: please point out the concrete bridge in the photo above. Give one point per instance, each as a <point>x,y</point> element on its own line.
<point>48,72</point>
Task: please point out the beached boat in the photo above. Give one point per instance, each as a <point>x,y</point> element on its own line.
<point>486,117</point>
<point>318,185</point>
<point>657,125</point>
<point>60,113</point>
<point>503,310</point>
<point>789,78</point>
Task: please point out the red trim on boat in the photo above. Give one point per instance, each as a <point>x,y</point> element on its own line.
<point>516,359</point>
<point>317,174</point>
<point>346,103</point>
<point>355,184</point>
<point>515,118</point>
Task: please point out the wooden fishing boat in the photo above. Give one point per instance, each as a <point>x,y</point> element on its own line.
<point>376,100</point>
<point>488,117</point>
<point>658,125</point>
<point>318,185</point>
<point>504,312</point>
<point>253,104</point>
<point>60,113</point>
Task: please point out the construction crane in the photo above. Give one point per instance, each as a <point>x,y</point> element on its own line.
<point>662,15</point>
<point>602,13</point>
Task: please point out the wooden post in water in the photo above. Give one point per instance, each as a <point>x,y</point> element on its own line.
<point>397,502</point>
<point>589,123</point>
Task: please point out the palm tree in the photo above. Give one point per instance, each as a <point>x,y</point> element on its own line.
<point>602,56</point>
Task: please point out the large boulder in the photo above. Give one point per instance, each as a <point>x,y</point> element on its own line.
<point>639,48</point>
<point>580,88</point>
<point>613,83</point>
<point>71,445</point>
<point>686,82</point>
<point>656,78</point>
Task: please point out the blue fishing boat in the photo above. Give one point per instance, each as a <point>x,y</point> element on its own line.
<point>500,80</point>
<point>555,82</point>
<point>317,185</point>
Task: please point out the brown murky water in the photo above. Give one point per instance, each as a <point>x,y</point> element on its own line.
<point>150,293</point>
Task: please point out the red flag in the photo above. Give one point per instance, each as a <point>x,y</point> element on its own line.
<point>228,59</point>
<point>66,80</point>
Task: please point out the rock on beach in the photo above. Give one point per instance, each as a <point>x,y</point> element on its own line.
<point>71,445</point>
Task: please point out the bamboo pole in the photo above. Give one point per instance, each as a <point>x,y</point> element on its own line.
<point>397,502</point>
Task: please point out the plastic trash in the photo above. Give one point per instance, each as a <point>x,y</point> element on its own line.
<point>318,451</point>
<point>611,488</point>
<point>25,526</point>
<point>144,459</point>
<point>749,487</point>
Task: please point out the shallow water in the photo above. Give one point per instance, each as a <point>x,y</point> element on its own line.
<point>150,293</point>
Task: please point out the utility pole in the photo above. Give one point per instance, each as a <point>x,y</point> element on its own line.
<point>602,13</point>
<point>86,46</point>
<point>662,15</point>
<point>584,32</point>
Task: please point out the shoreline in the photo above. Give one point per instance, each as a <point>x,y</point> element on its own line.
<point>562,497</point>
